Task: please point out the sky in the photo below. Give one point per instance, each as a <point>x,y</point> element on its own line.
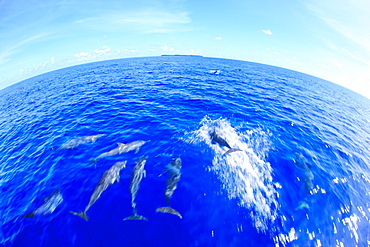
<point>328,39</point>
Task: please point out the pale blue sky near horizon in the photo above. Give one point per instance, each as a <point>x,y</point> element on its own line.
<point>328,39</point>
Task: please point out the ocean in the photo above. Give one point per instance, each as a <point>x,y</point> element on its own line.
<point>296,174</point>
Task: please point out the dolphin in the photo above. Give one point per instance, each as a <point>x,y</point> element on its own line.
<point>307,176</point>
<point>50,204</point>
<point>171,184</point>
<point>222,142</point>
<point>137,175</point>
<point>109,177</point>
<point>122,148</point>
<point>79,140</point>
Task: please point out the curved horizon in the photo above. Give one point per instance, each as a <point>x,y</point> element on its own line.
<point>326,40</point>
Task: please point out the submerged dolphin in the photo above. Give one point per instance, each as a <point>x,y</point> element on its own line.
<point>109,177</point>
<point>80,140</point>
<point>50,204</point>
<point>171,184</point>
<point>307,176</point>
<point>122,148</point>
<point>222,142</point>
<point>137,175</point>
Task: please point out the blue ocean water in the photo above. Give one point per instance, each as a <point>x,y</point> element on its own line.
<point>304,141</point>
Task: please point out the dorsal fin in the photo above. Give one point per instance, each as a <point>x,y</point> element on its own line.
<point>120,144</point>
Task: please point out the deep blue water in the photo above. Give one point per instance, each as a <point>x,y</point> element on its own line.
<point>245,198</point>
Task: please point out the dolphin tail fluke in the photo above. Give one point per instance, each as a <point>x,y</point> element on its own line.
<point>231,150</point>
<point>136,217</point>
<point>169,210</point>
<point>302,205</point>
<point>83,215</point>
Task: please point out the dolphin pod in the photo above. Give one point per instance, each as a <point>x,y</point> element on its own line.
<point>171,184</point>
<point>112,175</point>
<point>222,142</point>
<point>137,175</point>
<point>109,177</point>
<point>80,140</point>
<point>50,204</point>
<point>122,148</point>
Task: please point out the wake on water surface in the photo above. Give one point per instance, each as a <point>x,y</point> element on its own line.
<point>244,175</point>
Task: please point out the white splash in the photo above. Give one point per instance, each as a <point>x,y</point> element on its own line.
<point>352,224</point>
<point>244,174</point>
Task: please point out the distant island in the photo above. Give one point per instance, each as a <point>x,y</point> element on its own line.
<point>179,55</point>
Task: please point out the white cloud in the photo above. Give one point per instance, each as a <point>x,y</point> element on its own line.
<point>166,48</point>
<point>218,38</point>
<point>105,49</point>
<point>347,35</point>
<point>267,31</point>
<point>81,54</point>
<point>277,53</point>
<point>150,20</point>
<point>156,18</point>
<point>336,63</point>
<point>105,52</point>
<point>13,49</point>
<point>116,52</point>
<point>351,20</point>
